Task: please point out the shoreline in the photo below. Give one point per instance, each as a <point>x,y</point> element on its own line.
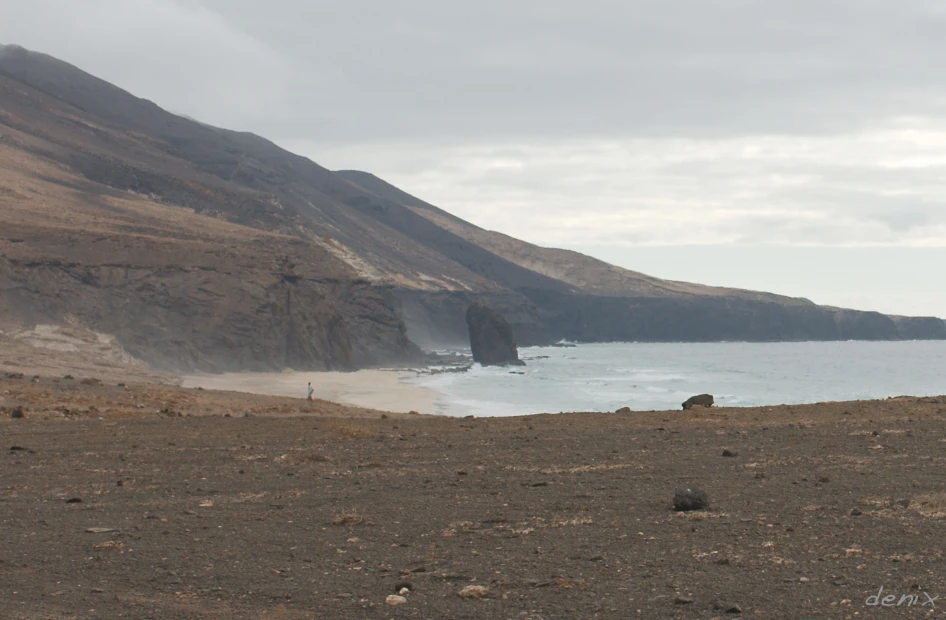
<point>384,390</point>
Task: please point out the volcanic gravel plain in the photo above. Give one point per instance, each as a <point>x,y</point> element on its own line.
<point>145,500</point>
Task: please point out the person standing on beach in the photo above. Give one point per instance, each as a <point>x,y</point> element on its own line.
<point>309,395</point>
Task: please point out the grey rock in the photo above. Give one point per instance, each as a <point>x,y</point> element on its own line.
<point>703,400</point>
<point>688,499</point>
<point>491,337</point>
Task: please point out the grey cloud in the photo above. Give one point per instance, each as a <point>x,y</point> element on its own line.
<point>695,67</point>
<point>363,70</point>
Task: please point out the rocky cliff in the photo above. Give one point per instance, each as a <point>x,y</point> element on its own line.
<point>203,248</point>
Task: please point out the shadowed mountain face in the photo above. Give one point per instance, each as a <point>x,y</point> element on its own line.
<point>203,248</point>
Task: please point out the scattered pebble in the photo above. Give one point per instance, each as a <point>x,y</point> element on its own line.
<point>395,599</point>
<point>728,452</point>
<point>473,592</point>
<point>726,607</point>
<point>683,600</point>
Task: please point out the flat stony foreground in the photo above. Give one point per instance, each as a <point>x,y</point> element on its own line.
<point>299,511</point>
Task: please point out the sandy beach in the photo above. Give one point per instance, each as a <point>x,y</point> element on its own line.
<point>384,390</point>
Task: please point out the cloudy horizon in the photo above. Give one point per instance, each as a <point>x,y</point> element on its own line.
<point>796,147</point>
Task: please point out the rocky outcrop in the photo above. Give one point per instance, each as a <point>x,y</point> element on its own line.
<point>491,338</point>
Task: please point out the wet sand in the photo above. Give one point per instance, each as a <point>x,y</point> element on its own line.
<point>384,390</point>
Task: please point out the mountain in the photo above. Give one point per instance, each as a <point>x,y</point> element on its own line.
<point>204,248</point>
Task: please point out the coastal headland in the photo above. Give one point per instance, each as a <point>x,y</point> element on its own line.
<point>152,500</point>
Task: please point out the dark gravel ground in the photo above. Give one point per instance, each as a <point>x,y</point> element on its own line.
<point>557,516</point>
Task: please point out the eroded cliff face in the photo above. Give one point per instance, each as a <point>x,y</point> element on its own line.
<point>539,318</point>
<point>178,289</point>
<point>920,328</point>
<point>185,319</point>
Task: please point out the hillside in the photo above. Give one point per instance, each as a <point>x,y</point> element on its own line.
<point>203,248</point>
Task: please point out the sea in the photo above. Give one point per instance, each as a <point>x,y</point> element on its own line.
<point>659,376</point>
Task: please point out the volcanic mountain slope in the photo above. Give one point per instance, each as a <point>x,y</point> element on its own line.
<point>203,248</point>
<point>612,303</point>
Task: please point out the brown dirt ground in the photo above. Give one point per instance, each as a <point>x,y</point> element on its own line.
<point>320,511</point>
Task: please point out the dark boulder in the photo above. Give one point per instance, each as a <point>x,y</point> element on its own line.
<point>703,400</point>
<point>688,499</point>
<point>491,337</point>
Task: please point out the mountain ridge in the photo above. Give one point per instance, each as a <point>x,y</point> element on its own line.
<point>247,247</point>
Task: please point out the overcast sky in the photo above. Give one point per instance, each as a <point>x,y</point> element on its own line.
<point>791,145</point>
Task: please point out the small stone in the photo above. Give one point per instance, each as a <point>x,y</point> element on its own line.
<point>690,499</point>
<point>404,592</point>
<point>74,500</point>
<point>803,579</point>
<point>855,512</point>
<point>683,600</point>
<point>473,592</point>
<point>18,413</point>
<point>727,607</point>
<point>730,453</point>
<point>759,475</point>
<point>623,410</point>
<point>394,600</point>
